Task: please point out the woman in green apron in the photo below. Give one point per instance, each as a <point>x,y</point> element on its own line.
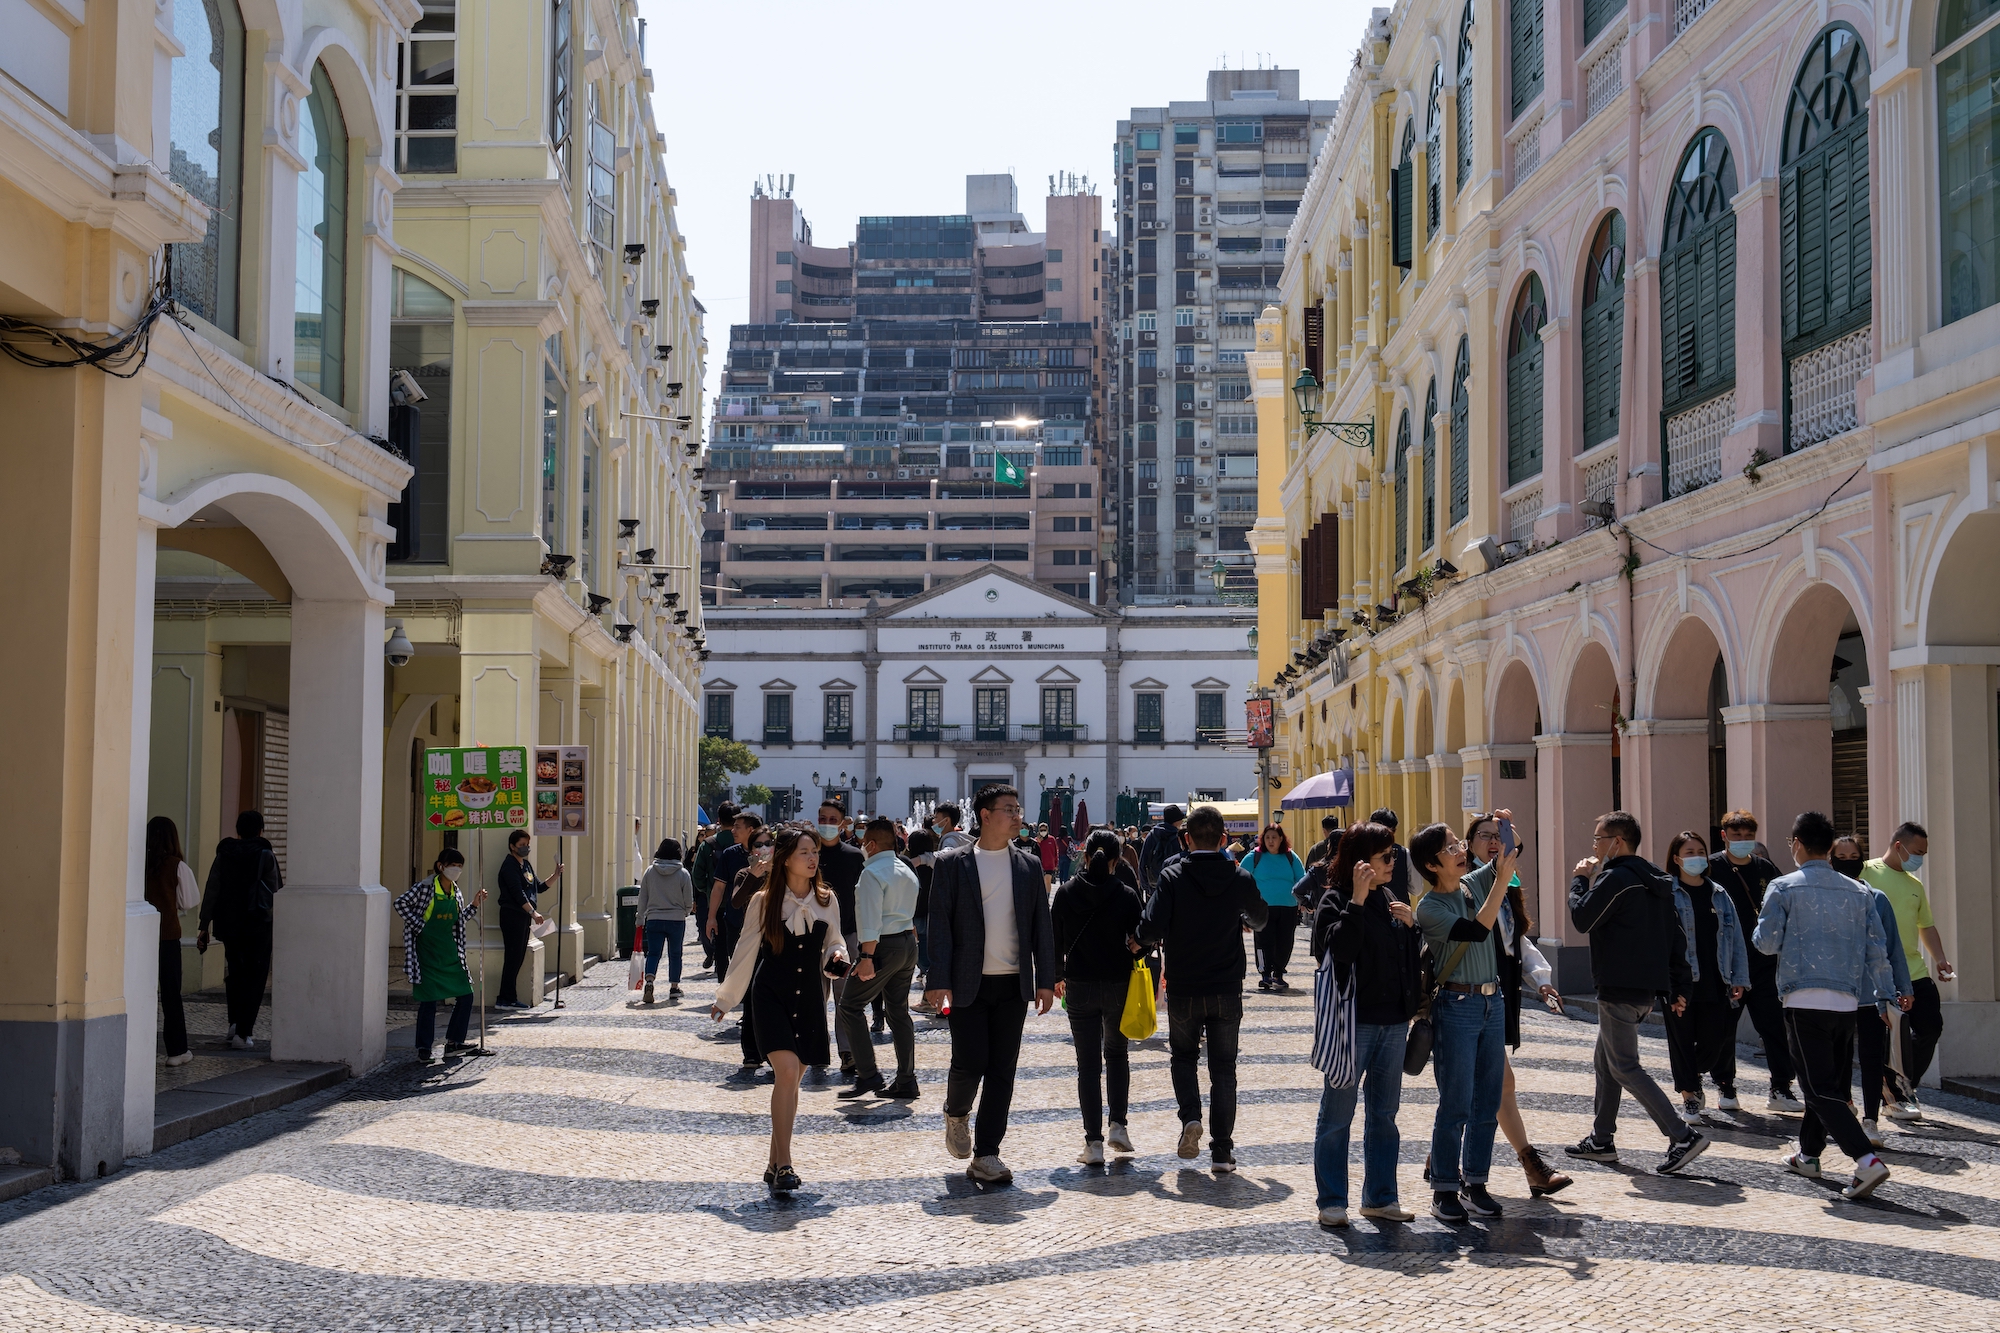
<point>434,952</point>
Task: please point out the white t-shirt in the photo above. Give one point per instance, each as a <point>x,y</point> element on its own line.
<point>1818,997</point>
<point>996,904</point>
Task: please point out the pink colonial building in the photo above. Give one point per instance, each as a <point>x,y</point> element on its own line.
<point>1678,327</point>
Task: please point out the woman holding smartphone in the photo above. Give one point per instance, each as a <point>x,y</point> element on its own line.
<point>1520,961</point>
<point>791,938</point>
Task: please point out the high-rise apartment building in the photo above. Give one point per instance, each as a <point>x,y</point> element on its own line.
<point>884,390</point>
<point>1206,193</point>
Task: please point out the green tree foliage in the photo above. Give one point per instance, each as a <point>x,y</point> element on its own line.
<point>718,759</point>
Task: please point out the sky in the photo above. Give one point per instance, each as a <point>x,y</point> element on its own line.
<point>884,107</point>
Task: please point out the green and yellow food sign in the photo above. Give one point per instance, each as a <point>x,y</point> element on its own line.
<point>476,788</point>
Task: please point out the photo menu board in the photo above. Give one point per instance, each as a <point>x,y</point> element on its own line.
<point>476,788</point>
<point>562,791</point>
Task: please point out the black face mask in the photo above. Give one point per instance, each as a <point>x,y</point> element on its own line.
<point>1849,868</point>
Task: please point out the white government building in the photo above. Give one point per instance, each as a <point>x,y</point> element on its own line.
<point>988,678</point>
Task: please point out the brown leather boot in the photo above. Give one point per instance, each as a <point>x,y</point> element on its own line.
<point>1541,1180</point>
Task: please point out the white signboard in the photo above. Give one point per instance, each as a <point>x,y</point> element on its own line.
<point>1472,792</point>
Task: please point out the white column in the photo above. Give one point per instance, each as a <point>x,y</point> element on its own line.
<point>330,949</point>
<point>142,923</point>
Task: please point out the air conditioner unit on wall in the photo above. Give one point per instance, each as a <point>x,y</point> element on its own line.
<point>1152,485</point>
<point>874,476</point>
<point>903,473</point>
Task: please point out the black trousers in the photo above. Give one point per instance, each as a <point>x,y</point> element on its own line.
<point>455,1029</point>
<point>1922,1027</point>
<point>985,1050</point>
<point>1219,1020</point>
<point>173,1015</point>
<point>248,953</point>
<point>1871,1047</point>
<point>514,930</point>
<point>1274,941</point>
<point>1702,1042</point>
<point>1767,1015</point>
<point>1822,1046</point>
<point>1095,1010</point>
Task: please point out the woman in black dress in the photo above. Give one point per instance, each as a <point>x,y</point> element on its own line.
<point>791,939</point>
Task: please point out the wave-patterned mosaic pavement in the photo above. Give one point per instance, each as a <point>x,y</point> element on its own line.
<point>602,1172</point>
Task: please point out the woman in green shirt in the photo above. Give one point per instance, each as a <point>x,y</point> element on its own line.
<point>434,952</point>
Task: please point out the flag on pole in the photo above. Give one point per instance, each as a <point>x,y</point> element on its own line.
<point>1005,473</point>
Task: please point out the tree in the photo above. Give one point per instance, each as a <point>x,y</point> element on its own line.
<point>753,793</point>
<point>717,759</point>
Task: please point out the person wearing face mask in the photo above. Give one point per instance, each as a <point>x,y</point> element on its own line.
<point>1702,1040</point>
<point>1743,873</point>
<point>434,952</point>
<point>1872,1020</point>
<point>1895,874</point>
<point>666,896</point>
<point>840,865</point>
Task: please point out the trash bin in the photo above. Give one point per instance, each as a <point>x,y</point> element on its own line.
<point>628,918</point>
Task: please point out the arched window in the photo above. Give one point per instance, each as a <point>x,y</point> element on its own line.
<point>1402,496</point>
<point>1461,433</point>
<point>1402,188</point>
<point>1698,277</point>
<point>1431,467</point>
<point>319,303</point>
<point>1603,331</point>
<point>1524,381</point>
<point>1823,237</point>
<point>1464,107</point>
<point>1968,40</point>
<point>206,145</point>
<point>1434,154</point>
<point>1524,35</point>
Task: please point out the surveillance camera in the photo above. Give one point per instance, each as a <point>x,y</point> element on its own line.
<point>404,391</point>
<point>399,650</point>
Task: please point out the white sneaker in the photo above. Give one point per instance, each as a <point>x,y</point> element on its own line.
<point>1093,1153</point>
<point>180,1059</point>
<point>1866,1179</point>
<point>238,1042</point>
<point>1333,1217</point>
<point>1119,1139</point>
<point>1728,1102</point>
<point>1394,1212</point>
<point>989,1170</point>
<point>1783,1101</point>
<point>1190,1145</point>
<point>1874,1133</point>
<point>958,1136</point>
<point>1909,1110</point>
<point>1800,1165</point>
<point>1691,1110</point>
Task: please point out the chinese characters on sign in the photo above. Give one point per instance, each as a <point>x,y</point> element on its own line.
<point>562,790</point>
<point>1259,723</point>
<point>477,788</point>
<point>990,641</point>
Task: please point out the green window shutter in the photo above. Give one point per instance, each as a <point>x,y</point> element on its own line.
<point>1402,185</point>
<point>1860,245</point>
<point>1603,355</point>
<point>1524,415</point>
<point>1525,41</point>
<point>1430,487</point>
<point>1788,251</point>
<point>1597,13</point>
<point>1402,497</point>
<point>1461,435</point>
<point>1813,257</point>
<point>1723,336</point>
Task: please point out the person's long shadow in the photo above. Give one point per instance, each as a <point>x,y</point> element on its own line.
<point>778,1213</point>
<point>995,1205</point>
<point>1124,1178</point>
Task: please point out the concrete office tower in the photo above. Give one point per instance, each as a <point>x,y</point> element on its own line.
<point>875,386</point>
<point>1206,193</point>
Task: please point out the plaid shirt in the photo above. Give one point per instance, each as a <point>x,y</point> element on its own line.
<point>414,907</point>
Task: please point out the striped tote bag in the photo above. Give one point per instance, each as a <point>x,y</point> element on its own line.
<point>1335,1051</point>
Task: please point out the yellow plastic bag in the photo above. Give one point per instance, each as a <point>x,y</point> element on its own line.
<point>1141,1018</point>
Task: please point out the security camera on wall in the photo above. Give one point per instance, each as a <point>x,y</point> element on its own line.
<point>404,391</point>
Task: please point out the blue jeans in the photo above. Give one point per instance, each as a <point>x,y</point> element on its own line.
<point>659,934</point>
<point>1471,1059</point>
<point>1379,1052</point>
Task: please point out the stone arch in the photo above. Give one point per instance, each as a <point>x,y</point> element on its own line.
<point>1517,706</point>
<point>1591,691</point>
<point>306,541</point>
<point>1676,685</point>
<point>1454,715</point>
<point>347,70</point>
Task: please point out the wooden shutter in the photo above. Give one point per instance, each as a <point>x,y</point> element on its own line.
<point>1603,354</point>
<point>1402,187</point>
<point>1524,414</point>
<point>1315,333</point>
<point>1329,562</point>
<point>1430,472</point>
<point>1403,491</point>
<point>1461,436</point>
<point>1823,221</point>
<point>1596,13</point>
<point>1525,50</point>
<point>1308,574</point>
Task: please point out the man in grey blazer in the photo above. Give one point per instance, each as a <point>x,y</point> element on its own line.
<point>992,949</point>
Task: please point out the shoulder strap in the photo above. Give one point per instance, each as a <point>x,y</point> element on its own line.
<point>1452,960</point>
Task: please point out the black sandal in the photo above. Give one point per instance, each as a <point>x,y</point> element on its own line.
<point>786,1180</point>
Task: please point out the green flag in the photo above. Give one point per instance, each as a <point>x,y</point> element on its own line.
<point>1005,473</point>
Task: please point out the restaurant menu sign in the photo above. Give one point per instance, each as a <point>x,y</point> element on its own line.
<point>486,787</point>
<point>562,791</point>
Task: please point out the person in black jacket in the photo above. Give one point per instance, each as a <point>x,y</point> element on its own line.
<point>1096,916</point>
<point>236,909</point>
<point>1198,910</point>
<point>520,897</point>
<point>1745,875</point>
<point>1163,842</point>
<point>1637,954</point>
<point>992,949</point>
<point>1371,934</point>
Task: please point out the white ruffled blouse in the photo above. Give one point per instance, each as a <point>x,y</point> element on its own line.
<point>800,915</point>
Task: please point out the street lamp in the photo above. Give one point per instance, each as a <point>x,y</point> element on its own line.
<point>1252,637</point>
<point>1360,434</point>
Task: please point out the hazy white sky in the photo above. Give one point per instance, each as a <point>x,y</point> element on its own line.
<point>884,106</point>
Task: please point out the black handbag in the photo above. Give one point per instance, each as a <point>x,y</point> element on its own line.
<point>1423,1033</point>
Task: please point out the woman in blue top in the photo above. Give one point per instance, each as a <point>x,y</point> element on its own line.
<point>1275,869</point>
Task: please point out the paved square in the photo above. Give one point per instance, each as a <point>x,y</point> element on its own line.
<point>601,1172</point>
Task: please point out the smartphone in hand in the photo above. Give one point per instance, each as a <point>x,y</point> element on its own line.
<point>836,967</point>
<point>1507,843</point>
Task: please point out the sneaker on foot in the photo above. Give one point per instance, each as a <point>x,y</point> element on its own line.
<point>1691,1108</point>
<point>1683,1152</point>
<point>1390,1212</point>
<point>1781,1099</point>
<point>1908,1110</point>
<point>1120,1138</point>
<point>1334,1217</point>
<point>1221,1161</point>
<point>1869,1173</point>
<point>238,1042</point>
<point>1874,1133</point>
<point>1093,1153</point>
<point>1591,1150</point>
<point>180,1059</point>
<point>648,999</point>
<point>958,1136</point>
<point>1445,1207</point>
<point>1478,1202</point>
<point>1728,1101</point>
<point>1190,1145</point>
<point>1800,1165</point>
<point>989,1170</point>
<point>674,991</point>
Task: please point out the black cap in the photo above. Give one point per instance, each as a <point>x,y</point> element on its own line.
<point>1173,814</point>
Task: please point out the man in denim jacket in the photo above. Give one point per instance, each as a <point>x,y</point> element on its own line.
<point>1832,956</point>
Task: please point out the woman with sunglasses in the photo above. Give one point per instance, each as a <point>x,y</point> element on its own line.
<point>1519,961</point>
<point>747,884</point>
<point>791,939</point>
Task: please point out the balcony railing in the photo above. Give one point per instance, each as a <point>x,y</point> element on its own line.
<point>842,736</point>
<point>1048,732</point>
<point>1823,383</point>
<point>777,735</point>
<point>1522,511</point>
<point>1687,11</point>
<point>1604,78</point>
<point>926,731</point>
<point>1694,444</point>
<point>952,733</point>
<point>1600,482</point>
<point>1527,147</point>
<point>1149,736</point>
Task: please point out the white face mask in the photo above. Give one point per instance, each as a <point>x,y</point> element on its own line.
<point>1740,847</point>
<point>1913,862</point>
<point>451,873</point>
<point>1694,865</point>
<point>828,832</point>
